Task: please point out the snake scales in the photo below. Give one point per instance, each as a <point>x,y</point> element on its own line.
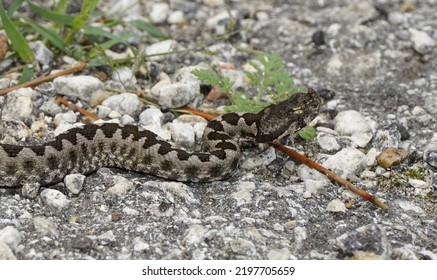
<point>87,148</point>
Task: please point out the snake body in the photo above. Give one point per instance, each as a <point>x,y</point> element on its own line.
<point>85,149</point>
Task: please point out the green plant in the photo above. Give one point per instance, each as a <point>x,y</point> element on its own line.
<point>268,79</point>
<point>76,36</point>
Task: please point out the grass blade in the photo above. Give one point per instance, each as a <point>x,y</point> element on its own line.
<point>26,75</point>
<point>58,18</point>
<point>48,34</point>
<point>152,30</point>
<point>18,42</point>
<point>88,7</point>
<point>14,6</point>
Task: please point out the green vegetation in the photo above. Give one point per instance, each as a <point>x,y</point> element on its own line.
<point>268,79</point>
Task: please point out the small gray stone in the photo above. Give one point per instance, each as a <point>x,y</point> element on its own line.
<point>336,205</point>
<point>124,103</point>
<point>162,47</point>
<point>431,105</point>
<point>124,76</point>
<point>126,119</point>
<point>195,234</point>
<point>103,111</point>
<point>347,162</point>
<point>54,199</point>
<point>396,18</point>
<point>278,254</point>
<point>422,42</point>
<point>6,252</point>
<point>78,86</point>
<point>366,242</point>
<point>18,105</point>
<point>182,134</point>
<point>74,182</point>
<point>159,13</point>
<point>242,246</point>
<point>106,237</point>
<point>243,194</point>
<point>45,226</point>
<point>50,107</point>
<point>140,245</point>
<point>384,138</point>
<point>327,142</point>
<point>352,123</point>
<point>67,117</point>
<point>10,236</point>
<point>430,152</point>
<point>30,190</point>
<point>218,23</point>
<point>121,187</point>
<point>178,94</point>
<point>42,54</point>
<point>176,17</point>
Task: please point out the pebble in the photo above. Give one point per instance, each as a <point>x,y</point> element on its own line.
<point>243,194</point>
<point>430,152</point>
<point>199,128</point>
<point>18,105</point>
<point>178,94</point>
<point>366,242</point>
<point>334,65</point>
<point>251,163</point>
<point>159,13</point>
<point>195,235</point>
<point>366,65</point>
<point>371,157</point>
<point>278,254</point>
<point>384,138</point>
<point>121,187</point>
<point>126,119</point>
<point>102,111</point>
<point>352,123</point>
<point>106,237</point>
<point>396,18</point>
<point>114,115</point>
<point>327,142</point>
<point>422,42</point>
<point>6,252</point>
<point>182,134</point>
<point>50,107</point>
<point>124,76</point>
<point>431,105</point>
<point>161,47</point>
<point>347,162</point>
<point>214,3</point>
<point>42,54</point>
<point>152,119</point>
<point>54,199</point>
<point>140,245</point>
<point>99,96</point>
<point>45,226</point>
<point>124,103</point>
<point>409,206</point>
<point>336,205</point>
<point>78,86</point>
<point>10,236</point>
<point>74,182</point>
<point>218,24</point>
<point>242,246</point>
<point>176,17</point>
<point>421,188</point>
<point>30,190</point>
<point>391,156</point>
<point>67,117</point>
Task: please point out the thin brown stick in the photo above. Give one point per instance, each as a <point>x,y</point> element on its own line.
<point>292,153</point>
<point>331,175</point>
<point>33,83</point>
<point>61,100</point>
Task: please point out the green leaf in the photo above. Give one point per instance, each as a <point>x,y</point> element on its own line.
<point>308,133</point>
<point>152,30</point>
<point>48,34</point>
<point>63,19</point>
<point>88,7</point>
<point>18,42</point>
<point>93,30</point>
<point>209,77</point>
<point>14,7</point>
<point>27,74</point>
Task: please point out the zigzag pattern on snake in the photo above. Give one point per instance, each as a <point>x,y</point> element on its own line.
<point>87,148</point>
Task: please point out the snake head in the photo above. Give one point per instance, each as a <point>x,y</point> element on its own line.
<point>288,116</point>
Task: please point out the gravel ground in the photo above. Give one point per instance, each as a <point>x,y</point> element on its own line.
<point>378,130</point>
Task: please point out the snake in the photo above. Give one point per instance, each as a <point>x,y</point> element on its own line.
<point>87,148</point>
